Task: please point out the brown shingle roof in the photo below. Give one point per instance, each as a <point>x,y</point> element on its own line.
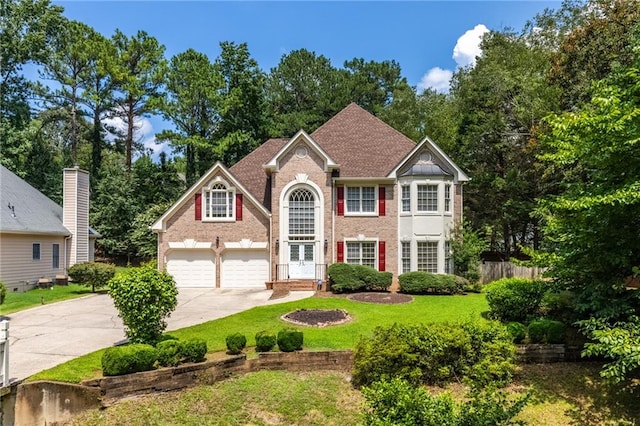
<point>250,173</point>
<point>361,143</point>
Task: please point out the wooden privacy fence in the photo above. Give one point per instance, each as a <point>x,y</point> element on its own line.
<point>492,271</point>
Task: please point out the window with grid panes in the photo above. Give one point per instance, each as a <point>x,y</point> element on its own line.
<point>427,198</point>
<point>406,198</point>
<point>301,212</point>
<point>406,256</point>
<point>361,253</point>
<point>428,256</point>
<point>447,198</point>
<point>361,199</point>
<point>218,202</point>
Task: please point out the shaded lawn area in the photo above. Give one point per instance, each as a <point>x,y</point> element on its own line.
<point>15,302</point>
<point>365,317</point>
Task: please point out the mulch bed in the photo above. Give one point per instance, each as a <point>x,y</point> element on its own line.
<point>383,298</point>
<point>317,317</point>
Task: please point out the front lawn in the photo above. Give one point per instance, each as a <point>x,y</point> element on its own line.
<point>19,301</point>
<point>366,316</point>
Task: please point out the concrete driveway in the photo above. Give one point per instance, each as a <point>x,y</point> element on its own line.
<point>48,335</point>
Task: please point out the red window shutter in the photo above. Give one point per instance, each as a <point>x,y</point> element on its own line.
<point>238,206</point>
<point>382,202</point>
<point>382,256</point>
<point>198,203</point>
<point>340,251</point>
<point>340,206</point>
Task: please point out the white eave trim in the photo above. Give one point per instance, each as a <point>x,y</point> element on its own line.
<point>356,180</point>
<point>160,224</point>
<point>459,174</point>
<point>274,163</point>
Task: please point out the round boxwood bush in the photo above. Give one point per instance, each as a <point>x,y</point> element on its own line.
<point>265,341</point>
<point>289,340</point>
<point>194,350</point>
<point>169,352</point>
<point>547,331</point>
<point>128,359</point>
<point>515,299</point>
<point>236,343</point>
<point>517,330</point>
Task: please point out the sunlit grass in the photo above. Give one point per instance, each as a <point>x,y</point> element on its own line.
<point>15,301</point>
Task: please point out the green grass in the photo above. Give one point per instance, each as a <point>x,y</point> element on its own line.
<point>15,302</point>
<point>262,398</point>
<point>365,317</point>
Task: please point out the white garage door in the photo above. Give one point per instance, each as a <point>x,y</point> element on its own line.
<point>192,268</point>
<point>244,269</point>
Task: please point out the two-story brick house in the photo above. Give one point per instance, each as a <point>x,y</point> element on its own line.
<point>355,191</point>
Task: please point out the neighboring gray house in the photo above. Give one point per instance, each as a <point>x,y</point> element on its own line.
<point>38,238</point>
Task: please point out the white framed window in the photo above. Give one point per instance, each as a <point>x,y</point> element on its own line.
<point>448,258</point>
<point>406,198</point>
<point>302,213</point>
<point>218,202</point>
<point>35,251</point>
<point>406,256</point>
<point>55,251</point>
<point>361,200</point>
<point>447,198</point>
<point>428,256</point>
<point>427,198</point>
<point>361,253</point>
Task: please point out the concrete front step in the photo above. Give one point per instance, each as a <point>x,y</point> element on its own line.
<point>296,285</point>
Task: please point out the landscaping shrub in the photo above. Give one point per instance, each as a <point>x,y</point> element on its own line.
<point>3,292</point>
<point>343,279</point>
<point>194,350</point>
<point>96,275</point>
<point>396,402</point>
<point>559,306</point>
<point>145,298</point>
<point>265,341</point>
<point>435,354</point>
<point>517,330</point>
<point>128,359</point>
<point>289,340</point>
<point>382,282</point>
<point>420,282</point>
<point>515,299</point>
<point>169,352</point>
<point>236,342</point>
<point>547,331</point>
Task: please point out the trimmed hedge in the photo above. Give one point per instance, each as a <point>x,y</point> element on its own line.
<point>547,331</point>
<point>265,341</point>
<point>169,352</point>
<point>128,359</point>
<point>289,340</point>
<point>236,342</point>
<point>518,331</point>
<point>420,282</point>
<point>515,299</point>
<point>350,278</point>
<point>194,350</point>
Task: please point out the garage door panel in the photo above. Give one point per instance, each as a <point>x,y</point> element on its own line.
<point>244,269</point>
<point>192,268</point>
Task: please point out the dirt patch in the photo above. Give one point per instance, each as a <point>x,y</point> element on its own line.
<point>317,317</point>
<point>383,298</point>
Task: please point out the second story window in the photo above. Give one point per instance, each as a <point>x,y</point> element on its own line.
<point>447,198</point>
<point>427,198</point>
<point>218,202</point>
<point>406,198</point>
<point>361,199</point>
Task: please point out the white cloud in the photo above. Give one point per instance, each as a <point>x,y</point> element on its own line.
<point>143,133</point>
<point>436,79</point>
<point>468,46</point>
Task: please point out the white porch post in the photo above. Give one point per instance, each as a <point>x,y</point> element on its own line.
<point>4,353</point>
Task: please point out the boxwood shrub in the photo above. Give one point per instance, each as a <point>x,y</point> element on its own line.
<point>515,299</point>
<point>350,278</point>
<point>420,282</point>
<point>128,359</point>
<point>547,331</point>
<point>290,339</point>
<point>265,341</point>
<point>518,331</point>
<point>169,352</point>
<point>194,350</point>
<point>236,342</point>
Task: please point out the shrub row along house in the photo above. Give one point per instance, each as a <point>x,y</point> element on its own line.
<point>38,238</point>
<point>354,191</point>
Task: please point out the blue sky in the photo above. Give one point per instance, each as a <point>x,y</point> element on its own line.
<point>421,36</point>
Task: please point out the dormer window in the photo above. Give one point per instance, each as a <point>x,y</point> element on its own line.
<point>218,202</point>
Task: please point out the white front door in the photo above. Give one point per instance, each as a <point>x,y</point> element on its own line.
<point>302,260</point>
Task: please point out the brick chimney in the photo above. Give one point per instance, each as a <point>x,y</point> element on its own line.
<point>75,213</point>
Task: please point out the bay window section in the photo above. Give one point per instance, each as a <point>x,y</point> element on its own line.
<point>406,256</point>
<point>428,198</point>
<point>406,198</point>
<point>447,198</point>
<point>428,256</point>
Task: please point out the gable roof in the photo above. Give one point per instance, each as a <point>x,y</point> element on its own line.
<point>274,163</point>
<point>25,210</point>
<point>361,143</point>
<point>160,224</point>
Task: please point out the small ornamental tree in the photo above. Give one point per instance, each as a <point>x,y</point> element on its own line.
<point>93,274</point>
<point>145,298</point>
